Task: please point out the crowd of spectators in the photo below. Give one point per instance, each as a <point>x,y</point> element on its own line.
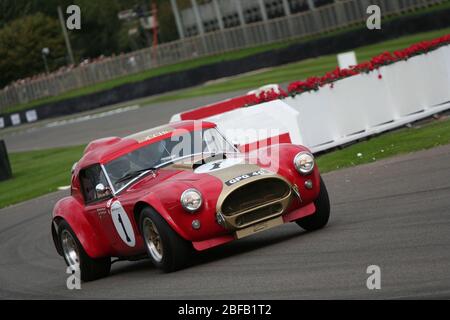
<point>61,70</point>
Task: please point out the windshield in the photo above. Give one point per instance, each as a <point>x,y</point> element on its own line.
<point>125,169</point>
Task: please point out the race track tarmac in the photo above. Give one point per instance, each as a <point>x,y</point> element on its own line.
<point>393,213</point>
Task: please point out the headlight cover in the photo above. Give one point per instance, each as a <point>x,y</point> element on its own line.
<point>304,163</point>
<point>191,200</point>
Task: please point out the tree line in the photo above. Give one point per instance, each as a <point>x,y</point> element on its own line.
<point>28,26</point>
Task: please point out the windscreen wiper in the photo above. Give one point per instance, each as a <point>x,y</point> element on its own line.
<point>133,174</point>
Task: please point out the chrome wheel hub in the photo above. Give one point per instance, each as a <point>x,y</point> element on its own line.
<point>152,239</point>
<point>70,249</point>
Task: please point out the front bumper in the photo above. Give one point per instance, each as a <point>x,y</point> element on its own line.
<point>256,228</point>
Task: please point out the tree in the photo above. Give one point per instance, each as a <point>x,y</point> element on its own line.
<point>14,9</point>
<point>28,26</point>
<point>167,27</point>
<point>99,28</point>
<point>21,42</point>
<point>101,31</point>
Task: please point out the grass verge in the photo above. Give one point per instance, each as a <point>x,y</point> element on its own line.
<point>36,173</point>
<point>405,140</point>
<point>40,172</point>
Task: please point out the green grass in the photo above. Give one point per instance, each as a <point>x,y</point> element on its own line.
<point>233,55</point>
<point>401,141</point>
<point>36,173</point>
<point>40,172</point>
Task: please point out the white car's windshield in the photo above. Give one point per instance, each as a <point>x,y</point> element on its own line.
<point>130,166</point>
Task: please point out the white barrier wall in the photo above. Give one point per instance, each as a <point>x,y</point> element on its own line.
<point>247,125</point>
<point>354,107</point>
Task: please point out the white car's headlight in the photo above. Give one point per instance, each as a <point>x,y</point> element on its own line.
<point>191,200</point>
<point>304,163</point>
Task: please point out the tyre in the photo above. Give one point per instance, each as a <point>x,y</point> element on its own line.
<point>320,218</point>
<point>74,255</point>
<point>166,249</point>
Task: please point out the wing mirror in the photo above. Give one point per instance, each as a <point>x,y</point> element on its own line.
<point>102,190</point>
<point>73,167</point>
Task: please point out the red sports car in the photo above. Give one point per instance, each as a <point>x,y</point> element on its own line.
<point>163,192</point>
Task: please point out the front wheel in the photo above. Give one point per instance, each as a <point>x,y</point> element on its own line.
<point>76,258</point>
<point>320,218</point>
<point>166,249</point>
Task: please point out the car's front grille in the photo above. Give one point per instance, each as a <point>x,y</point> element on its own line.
<point>256,201</point>
<point>259,214</point>
<point>255,194</point>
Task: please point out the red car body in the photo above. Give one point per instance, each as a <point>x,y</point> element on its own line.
<point>99,235</point>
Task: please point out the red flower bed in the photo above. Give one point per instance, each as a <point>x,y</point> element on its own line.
<point>384,59</point>
<point>266,96</point>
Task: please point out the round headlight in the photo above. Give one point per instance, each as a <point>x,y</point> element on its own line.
<point>191,200</point>
<point>304,163</point>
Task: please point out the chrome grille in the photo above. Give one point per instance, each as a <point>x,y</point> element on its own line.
<point>256,201</point>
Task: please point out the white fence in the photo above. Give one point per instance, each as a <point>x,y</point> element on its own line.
<point>354,108</point>
<point>342,13</point>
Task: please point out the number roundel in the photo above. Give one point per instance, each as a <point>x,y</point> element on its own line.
<point>122,224</point>
<point>217,165</point>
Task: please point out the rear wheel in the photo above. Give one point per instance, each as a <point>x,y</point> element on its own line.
<point>166,249</point>
<point>320,218</point>
<point>76,257</point>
